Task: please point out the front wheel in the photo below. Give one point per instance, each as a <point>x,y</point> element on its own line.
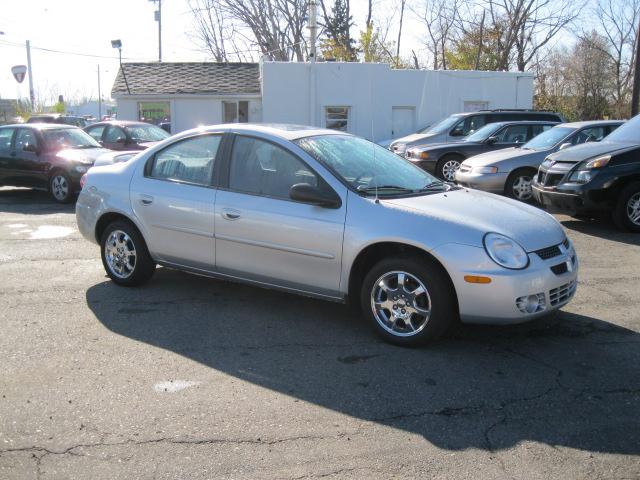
<point>627,211</point>
<point>518,184</point>
<point>125,256</point>
<point>60,187</point>
<point>447,168</point>
<point>408,300</point>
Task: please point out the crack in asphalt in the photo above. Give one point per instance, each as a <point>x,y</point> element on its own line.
<point>322,475</point>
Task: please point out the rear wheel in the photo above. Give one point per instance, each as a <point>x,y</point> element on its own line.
<point>124,254</point>
<point>518,184</point>
<point>447,167</point>
<point>408,300</point>
<point>627,211</point>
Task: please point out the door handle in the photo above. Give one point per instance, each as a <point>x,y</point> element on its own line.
<point>230,214</point>
<point>146,199</point>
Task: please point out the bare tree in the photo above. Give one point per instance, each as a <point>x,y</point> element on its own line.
<point>402,5</point>
<point>439,18</point>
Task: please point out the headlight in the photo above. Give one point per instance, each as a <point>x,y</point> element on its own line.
<point>598,162</point>
<point>485,169</point>
<point>582,176</point>
<point>505,252</point>
<point>81,168</point>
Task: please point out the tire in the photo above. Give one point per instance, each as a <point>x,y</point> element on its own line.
<point>119,238</point>
<point>60,187</point>
<point>419,318</point>
<point>447,166</point>
<point>626,214</point>
<point>518,184</point>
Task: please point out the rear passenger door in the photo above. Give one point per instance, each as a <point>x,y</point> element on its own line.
<point>512,135</point>
<point>173,195</point>
<point>7,161</point>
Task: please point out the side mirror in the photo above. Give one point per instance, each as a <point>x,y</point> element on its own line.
<point>121,140</point>
<point>305,193</point>
<point>30,148</point>
<point>564,145</point>
<point>457,132</point>
<point>491,140</point>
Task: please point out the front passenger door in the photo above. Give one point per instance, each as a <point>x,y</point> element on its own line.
<point>173,195</point>
<point>265,236</point>
<point>115,138</point>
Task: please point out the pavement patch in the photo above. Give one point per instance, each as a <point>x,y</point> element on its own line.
<point>172,386</point>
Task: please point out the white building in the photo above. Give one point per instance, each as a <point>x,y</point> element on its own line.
<point>370,100</point>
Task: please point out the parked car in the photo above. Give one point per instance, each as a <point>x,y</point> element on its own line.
<point>592,179</point>
<point>444,159</point>
<point>46,156</point>
<point>457,126</point>
<point>126,135</point>
<point>117,156</point>
<point>58,118</point>
<point>511,171</point>
<point>267,205</point>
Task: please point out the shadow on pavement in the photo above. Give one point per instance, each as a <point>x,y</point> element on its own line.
<point>567,380</point>
<point>31,202</point>
<point>602,228</point>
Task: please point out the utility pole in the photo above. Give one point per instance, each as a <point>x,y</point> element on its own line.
<point>635,93</point>
<point>313,30</point>
<point>32,95</point>
<point>99,96</point>
<point>158,18</point>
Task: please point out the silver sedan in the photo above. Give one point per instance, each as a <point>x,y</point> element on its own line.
<point>330,215</point>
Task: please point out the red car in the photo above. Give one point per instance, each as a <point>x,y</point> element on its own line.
<point>126,135</point>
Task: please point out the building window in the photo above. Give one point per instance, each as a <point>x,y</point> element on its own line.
<point>475,106</point>
<point>236,112</point>
<point>154,112</point>
<point>337,118</point>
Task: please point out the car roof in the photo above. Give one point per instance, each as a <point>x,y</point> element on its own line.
<point>284,131</point>
<point>525,122</point>
<point>589,123</point>
<point>41,126</point>
<point>120,123</point>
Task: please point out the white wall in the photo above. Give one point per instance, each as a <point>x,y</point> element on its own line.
<point>372,90</point>
<point>188,111</point>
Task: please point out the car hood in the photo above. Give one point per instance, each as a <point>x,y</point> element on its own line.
<point>586,151</point>
<point>81,155</point>
<point>474,213</point>
<point>491,158</point>
<point>441,146</point>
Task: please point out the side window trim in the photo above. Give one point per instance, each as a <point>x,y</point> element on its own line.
<point>226,170</point>
<point>150,163</point>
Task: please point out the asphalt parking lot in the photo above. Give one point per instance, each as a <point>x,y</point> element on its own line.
<point>189,377</point>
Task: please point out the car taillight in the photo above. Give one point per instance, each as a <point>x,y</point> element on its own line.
<point>83,180</point>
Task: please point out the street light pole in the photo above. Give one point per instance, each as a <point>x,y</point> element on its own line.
<point>99,97</point>
<point>32,95</point>
<point>158,18</point>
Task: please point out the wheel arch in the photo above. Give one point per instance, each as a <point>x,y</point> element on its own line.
<point>373,253</point>
<point>109,217</point>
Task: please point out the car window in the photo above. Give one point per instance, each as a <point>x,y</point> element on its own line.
<point>473,123</point>
<point>262,168</point>
<point>25,137</point>
<point>513,134</point>
<point>538,129</point>
<point>5,137</point>
<point>593,134</point>
<point>611,128</point>
<point>114,134</point>
<point>190,160</point>
<point>96,132</point>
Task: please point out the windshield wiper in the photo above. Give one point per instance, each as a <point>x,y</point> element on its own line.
<point>383,188</point>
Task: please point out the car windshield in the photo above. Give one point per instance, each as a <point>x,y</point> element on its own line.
<point>628,132</point>
<point>548,139</point>
<point>443,125</point>
<point>147,133</point>
<point>367,167</point>
<point>482,134</point>
<point>68,138</point>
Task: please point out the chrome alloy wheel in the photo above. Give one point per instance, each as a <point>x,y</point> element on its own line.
<point>633,209</point>
<point>60,187</point>
<point>522,187</point>
<point>449,170</point>
<point>120,254</point>
<point>401,303</point>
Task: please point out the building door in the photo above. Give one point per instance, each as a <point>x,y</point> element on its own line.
<point>403,121</point>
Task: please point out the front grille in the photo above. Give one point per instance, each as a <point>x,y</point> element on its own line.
<point>551,179</point>
<point>566,243</point>
<point>560,268</point>
<point>562,294</point>
<point>549,252</point>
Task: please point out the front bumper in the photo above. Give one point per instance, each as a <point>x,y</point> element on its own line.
<point>488,182</point>
<point>570,200</point>
<point>495,302</point>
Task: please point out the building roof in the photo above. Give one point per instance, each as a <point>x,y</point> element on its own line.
<point>187,78</point>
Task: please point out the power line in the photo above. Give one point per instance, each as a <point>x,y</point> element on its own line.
<point>51,50</point>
